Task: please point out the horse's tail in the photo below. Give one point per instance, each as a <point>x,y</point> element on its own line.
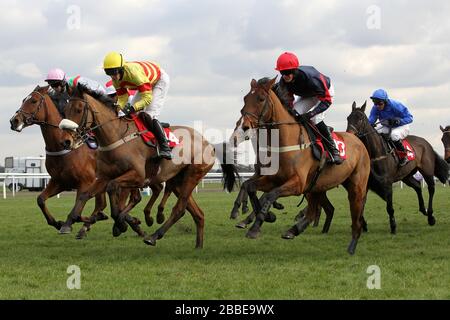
<point>440,168</point>
<point>230,174</point>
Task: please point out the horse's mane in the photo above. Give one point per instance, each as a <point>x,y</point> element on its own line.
<point>280,92</point>
<point>103,98</point>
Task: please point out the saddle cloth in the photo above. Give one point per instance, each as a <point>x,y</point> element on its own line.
<point>318,147</point>
<point>149,138</point>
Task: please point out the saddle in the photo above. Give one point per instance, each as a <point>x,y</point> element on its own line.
<point>148,137</point>
<point>318,147</point>
<point>410,153</point>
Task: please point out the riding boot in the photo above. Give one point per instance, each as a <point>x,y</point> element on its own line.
<point>164,149</point>
<point>401,151</point>
<point>329,142</point>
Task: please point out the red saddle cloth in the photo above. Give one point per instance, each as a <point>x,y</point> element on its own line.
<point>149,137</point>
<point>338,141</point>
<point>409,150</point>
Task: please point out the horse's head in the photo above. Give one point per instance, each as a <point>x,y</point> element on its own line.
<point>257,110</point>
<point>357,121</point>
<point>33,110</point>
<point>446,141</point>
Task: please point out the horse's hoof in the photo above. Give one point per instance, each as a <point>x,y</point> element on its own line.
<point>102,216</point>
<point>65,229</point>
<point>288,235</point>
<point>148,221</point>
<point>431,221</point>
<point>234,213</point>
<point>150,241</point>
<point>299,217</point>
<point>241,225</point>
<point>252,234</point>
<point>116,231</point>
<point>352,248</point>
<point>81,234</point>
<point>245,209</point>
<point>58,225</point>
<point>160,218</point>
<point>270,217</point>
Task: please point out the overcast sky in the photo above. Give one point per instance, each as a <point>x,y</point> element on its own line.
<point>212,49</point>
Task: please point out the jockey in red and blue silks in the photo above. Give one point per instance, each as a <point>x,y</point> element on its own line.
<point>314,93</point>
<point>393,117</point>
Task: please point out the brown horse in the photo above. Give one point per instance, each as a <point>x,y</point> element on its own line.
<point>69,168</point>
<point>125,161</point>
<point>446,141</point>
<point>297,166</point>
<point>384,165</point>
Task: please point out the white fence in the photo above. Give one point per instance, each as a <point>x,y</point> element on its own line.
<point>210,177</point>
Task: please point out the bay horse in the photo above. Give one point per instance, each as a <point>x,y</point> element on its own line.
<point>125,161</point>
<point>297,166</point>
<point>69,168</point>
<point>384,165</point>
<point>446,141</point>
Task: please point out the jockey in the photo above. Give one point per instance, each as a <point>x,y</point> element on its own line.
<point>315,92</point>
<point>393,117</point>
<point>60,84</point>
<point>151,83</point>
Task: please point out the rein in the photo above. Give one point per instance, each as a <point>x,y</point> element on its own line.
<point>85,131</point>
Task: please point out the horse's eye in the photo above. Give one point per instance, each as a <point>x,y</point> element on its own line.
<point>33,100</point>
<point>261,99</point>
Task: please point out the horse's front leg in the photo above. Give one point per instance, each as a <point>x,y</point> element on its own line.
<point>51,190</point>
<point>131,179</point>
<point>82,197</point>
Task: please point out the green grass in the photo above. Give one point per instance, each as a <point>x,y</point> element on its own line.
<point>414,263</point>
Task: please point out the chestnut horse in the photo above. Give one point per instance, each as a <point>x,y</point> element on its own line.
<point>297,166</point>
<point>69,169</point>
<point>125,161</point>
<point>446,141</point>
<point>385,170</point>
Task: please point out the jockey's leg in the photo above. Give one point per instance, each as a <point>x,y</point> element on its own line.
<point>329,142</point>
<point>397,135</point>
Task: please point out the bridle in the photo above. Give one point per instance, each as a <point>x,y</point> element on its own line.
<point>85,130</point>
<point>30,117</point>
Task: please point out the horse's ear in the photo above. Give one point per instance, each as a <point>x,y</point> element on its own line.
<point>37,88</point>
<point>353,105</point>
<point>442,129</point>
<point>363,108</point>
<point>253,84</point>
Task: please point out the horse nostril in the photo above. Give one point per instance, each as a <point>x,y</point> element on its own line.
<point>245,128</point>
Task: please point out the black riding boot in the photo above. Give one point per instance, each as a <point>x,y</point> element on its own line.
<point>329,143</point>
<point>403,156</point>
<point>164,149</point>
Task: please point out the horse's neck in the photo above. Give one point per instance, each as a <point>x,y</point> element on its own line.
<point>53,136</point>
<point>374,142</point>
<point>109,130</point>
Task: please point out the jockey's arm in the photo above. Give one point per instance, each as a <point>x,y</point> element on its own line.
<point>323,105</point>
<point>122,95</point>
<point>144,101</point>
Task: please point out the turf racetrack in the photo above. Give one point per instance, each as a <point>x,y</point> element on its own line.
<point>414,264</point>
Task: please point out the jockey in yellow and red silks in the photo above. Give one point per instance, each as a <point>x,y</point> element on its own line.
<point>151,83</point>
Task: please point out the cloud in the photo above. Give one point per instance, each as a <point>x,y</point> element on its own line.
<point>212,49</point>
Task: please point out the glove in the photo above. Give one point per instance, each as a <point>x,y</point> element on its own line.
<point>128,109</point>
<point>394,122</point>
<point>306,116</point>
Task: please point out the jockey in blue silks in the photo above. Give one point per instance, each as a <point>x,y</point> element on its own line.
<point>392,115</point>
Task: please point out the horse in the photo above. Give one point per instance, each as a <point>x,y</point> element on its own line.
<point>297,170</point>
<point>446,141</point>
<point>127,162</point>
<point>384,165</point>
<point>235,140</point>
<point>69,168</point>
